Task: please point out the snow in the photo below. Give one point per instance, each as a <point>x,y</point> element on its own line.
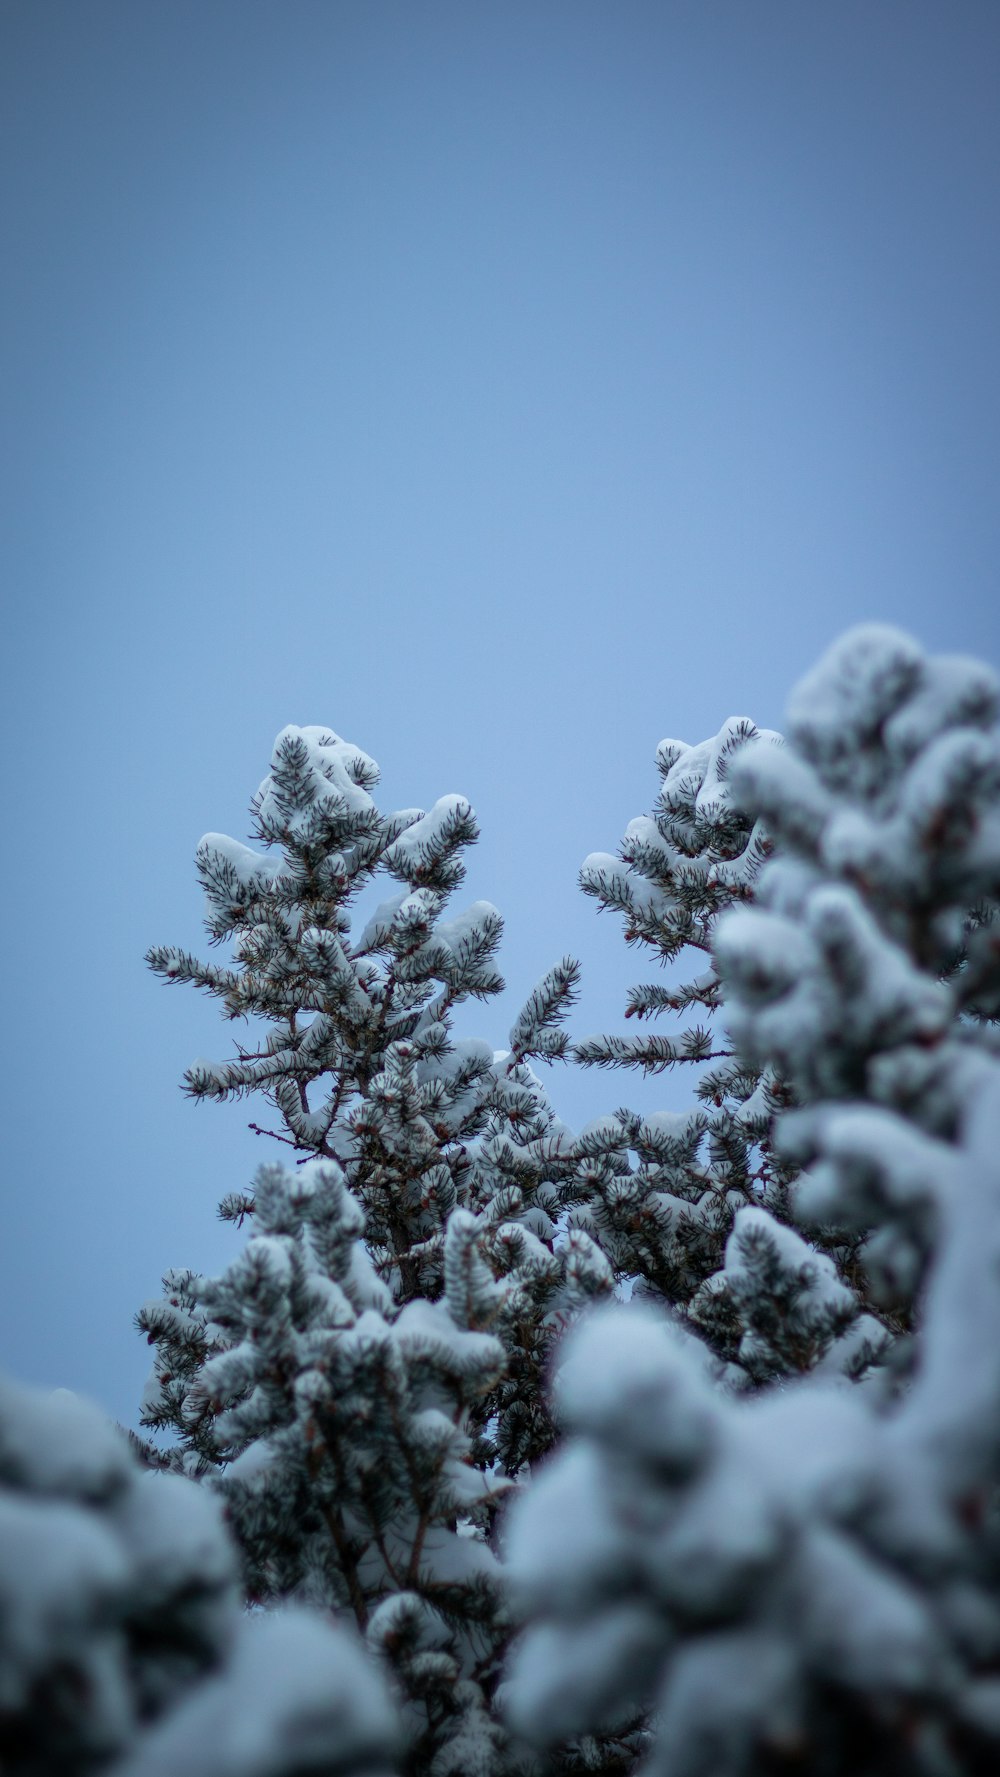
<point>668,1134</point>
<point>818,1445</point>
<point>63,1576</point>
<point>637,1376</point>
<point>428,834</point>
<point>807,996</point>
<point>704,769</point>
<point>425,1328</point>
<point>602,1135</point>
<point>711,1548</point>
<point>870,1157</point>
<point>759,957</point>
<point>951,1413</point>
<point>296,1694</point>
<point>561,1680</point>
<point>334,778</point>
<point>803,1523</point>
<point>467,928</point>
<point>644,832</point>
<point>174,1534</point>
<point>956,691</point>
<point>380,926</point>
<point>254,1463</point>
<point>866,1627</point>
<point>781,788</point>
<point>59,1444</point>
<point>724,1692</point>
<point>792,1252</point>
<point>252,869</point>
<point>558,1573</point>
<point>858,684</point>
<point>465,1053</point>
<point>453,1558</point>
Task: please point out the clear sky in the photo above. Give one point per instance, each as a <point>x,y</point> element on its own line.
<point>507,384</point>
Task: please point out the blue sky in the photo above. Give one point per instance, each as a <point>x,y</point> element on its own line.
<point>505,385</point>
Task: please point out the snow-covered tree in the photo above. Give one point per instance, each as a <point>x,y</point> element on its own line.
<point>712,1584</point>
<point>810,1578</point>
<point>123,1647</point>
<point>869,971</point>
<point>364,1380</point>
<point>338,1424</point>
<point>354,1045</point>
<point>675,1197</point>
<point>530,1186</point>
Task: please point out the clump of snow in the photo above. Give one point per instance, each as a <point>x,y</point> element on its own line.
<point>122,1640</point>
<point>297,1694</point>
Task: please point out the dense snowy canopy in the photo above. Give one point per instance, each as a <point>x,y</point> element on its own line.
<point>671,1445</point>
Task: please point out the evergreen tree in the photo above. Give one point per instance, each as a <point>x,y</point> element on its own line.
<point>676,1198</point>
<point>531,1186</point>
<point>810,1578</point>
<point>363,1382</point>
<point>714,1586</point>
<point>887,892</point>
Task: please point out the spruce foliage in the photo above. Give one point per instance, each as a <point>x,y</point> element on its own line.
<point>693,1207</point>
<point>811,1575</point>
<point>365,1380</point>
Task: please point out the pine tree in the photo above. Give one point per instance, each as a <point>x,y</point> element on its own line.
<point>530,1186</point>
<point>712,1585</point>
<point>887,887</point>
<point>677,1197</point>
<point>810,1578</point>
<point>363,1382</point>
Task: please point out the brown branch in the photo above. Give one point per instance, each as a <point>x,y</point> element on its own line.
<point>273,1133</point>
<point>334,1524</point>
<point>413,1569</point>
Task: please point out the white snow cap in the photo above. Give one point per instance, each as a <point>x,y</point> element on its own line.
<point>334,771</point>
<point>701,772</point>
